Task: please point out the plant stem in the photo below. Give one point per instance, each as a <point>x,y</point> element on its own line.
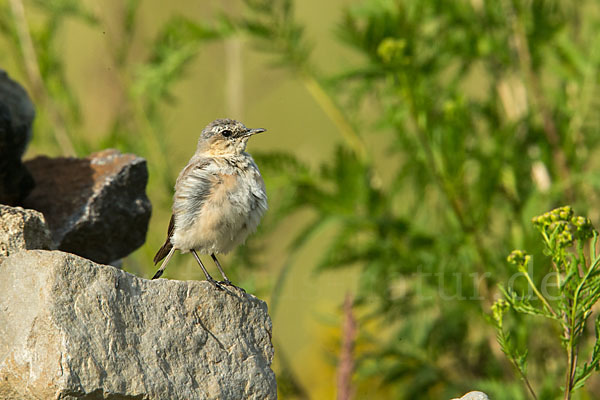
<point>570,372</point>
<point>515,363</point>
<point>234,77</point>
<point>528,384</point>
<point>539,295</point>
<point>570,332</point>
<point>467,227</point>
<point>36,81</point>
<point>346,361</point>
<point>332,110</point>
<point>532,83</point>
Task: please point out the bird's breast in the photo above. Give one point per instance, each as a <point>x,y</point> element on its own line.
<point>228,208</point>
<point>224,187</point>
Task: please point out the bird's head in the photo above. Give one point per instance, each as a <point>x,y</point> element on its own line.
<point>224,137</point>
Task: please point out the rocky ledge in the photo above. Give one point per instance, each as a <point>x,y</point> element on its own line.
<point>74,329</point>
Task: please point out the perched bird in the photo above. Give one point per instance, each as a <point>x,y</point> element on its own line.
<point>219,197</point>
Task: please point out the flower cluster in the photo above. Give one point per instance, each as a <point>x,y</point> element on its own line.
<point>391,51</point>
<point>519,258</point>
<point>563,226</point>
<point>583,227</point>
<point>499,308</point>
<point>546,220</point>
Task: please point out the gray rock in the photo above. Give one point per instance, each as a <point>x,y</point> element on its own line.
<point>474,396</point>
<point>22,229</point>
<point>72,329</point>
<point>96,207</point>
<point>16,118</point>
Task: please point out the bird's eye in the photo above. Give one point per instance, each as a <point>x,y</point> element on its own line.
<point>226,133</point>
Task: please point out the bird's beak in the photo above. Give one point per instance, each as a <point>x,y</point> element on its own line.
<point>251,132</point>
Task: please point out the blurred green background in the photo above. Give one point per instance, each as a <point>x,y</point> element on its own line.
<point>409,144</point>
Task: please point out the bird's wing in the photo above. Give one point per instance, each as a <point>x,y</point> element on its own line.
<point>186,190</point>
<point>193,186</point>
<point>164,250</point>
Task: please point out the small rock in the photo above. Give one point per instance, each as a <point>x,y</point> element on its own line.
<point>22,229</point>
<point>16,118</point>
<point>474,396</point>
<point>96,207</point>
<point>72,329</point>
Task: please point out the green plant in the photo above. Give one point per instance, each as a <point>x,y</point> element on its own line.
<point>455,93</point>
<point>567,238</point>
<point>475,104</point>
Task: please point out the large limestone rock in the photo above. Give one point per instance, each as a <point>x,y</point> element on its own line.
<point>73,329</point>
<point>16,118</point>
<point>22,229</point>
<point>96,207</point>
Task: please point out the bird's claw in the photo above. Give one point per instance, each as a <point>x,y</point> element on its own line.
<point>217,284</point>
<point>227,282</point>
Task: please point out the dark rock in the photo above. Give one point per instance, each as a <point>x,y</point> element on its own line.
<point>96,207</point>
<point>22,229</point>
<point>16,119</point>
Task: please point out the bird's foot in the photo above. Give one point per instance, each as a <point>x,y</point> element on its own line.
<point>227,282</point>
<point>218,285</point>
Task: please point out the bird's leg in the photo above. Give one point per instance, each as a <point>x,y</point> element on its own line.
<point>225,279</point>
<point>164,264</point>
<point>208,277</point>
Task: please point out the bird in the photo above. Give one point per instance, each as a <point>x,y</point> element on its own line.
<point>219,198</point>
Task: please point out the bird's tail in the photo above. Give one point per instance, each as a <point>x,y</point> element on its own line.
<point>166,248</point>
<point>164,264</point>
<point>163,251</point>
